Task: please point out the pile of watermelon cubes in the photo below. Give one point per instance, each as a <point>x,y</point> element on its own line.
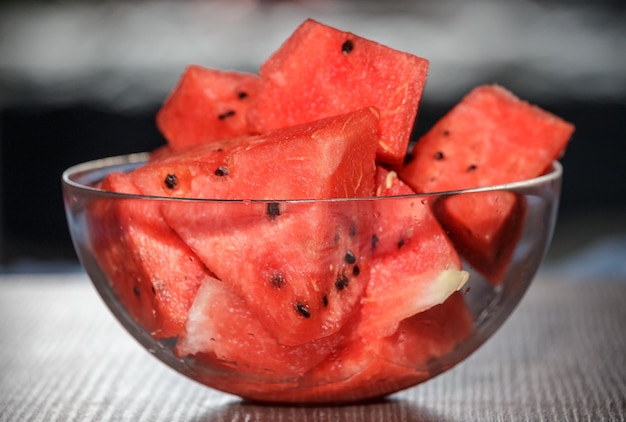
<point>317,301</point>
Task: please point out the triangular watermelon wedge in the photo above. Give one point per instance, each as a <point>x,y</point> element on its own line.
<point>300,267</point>
<point>154,274</point>
<point>206,105</point>
<point>414,264</point>
<point>364,365</point>
<point>320,71</point>
<point>490,137</point>
<point>222,332</point>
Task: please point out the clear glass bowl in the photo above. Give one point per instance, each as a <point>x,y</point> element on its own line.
<point>358,359</point>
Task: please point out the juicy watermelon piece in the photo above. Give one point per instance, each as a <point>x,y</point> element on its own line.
<point>300,267</point>
<point>222,332</point>
<point>485,227</point>
<point>398,361</point>
<point>289,265</point>
<point>321,71</point>
<point>414,264</point>
<point>411,313</point>
<point>364,365</point>
<point>490,137</point>
<point>335,152</point>
<point>207,105</point>
<point>154,274</point>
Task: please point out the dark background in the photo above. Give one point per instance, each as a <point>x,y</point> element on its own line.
<point>83,112</point>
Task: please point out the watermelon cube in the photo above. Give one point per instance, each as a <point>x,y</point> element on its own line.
<point>210,336</point>
<point>490,137</point>
<point>321,71</point>
<point>152,271</point>
<point>414,265</point>
<point>206,105</point>
<point>286,260</point>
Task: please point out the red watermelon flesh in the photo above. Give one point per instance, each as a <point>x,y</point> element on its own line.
<point>301,267</point>
<point>321,71</point>
<point>153,272</point>
<point>485,227</point>
<point>207,105</point>
<point>414,264</point>
<point>222,332</point>
<point>400,360</point>
<point>335,152</point>
<point>364,365</point>
<point>490,137</point>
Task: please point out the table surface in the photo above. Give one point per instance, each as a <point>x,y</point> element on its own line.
<point>561,356</point>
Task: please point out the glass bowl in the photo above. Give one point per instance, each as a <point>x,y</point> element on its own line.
<point>198,282</point>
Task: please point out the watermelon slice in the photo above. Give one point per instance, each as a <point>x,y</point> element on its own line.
<point>414,264</point>
<point>217,313</point>
<point>300,267</point>
<point>490,137</point>
<point>397,361</point>
<point>485,228</point>
<point>321,71</point>
<point>206,105</point>
<point>153,272</point>
<point>411,313</point>
<point>364,365</point>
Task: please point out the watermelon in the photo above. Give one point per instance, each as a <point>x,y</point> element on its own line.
<point>271,284</point>
<point>154,274</point>
<point>362,364</point>
<point>217,313</point>
<point>392,337</point>
<point>382,364</point>
<point>414,265</point>
<point>206,105</point>
<point>321,71</point>
<point>491,137</point>
<point>485,228</point>
<point>300,267</point>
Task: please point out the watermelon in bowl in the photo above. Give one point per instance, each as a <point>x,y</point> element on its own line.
<point>288,245</point>
<point>299,301</point>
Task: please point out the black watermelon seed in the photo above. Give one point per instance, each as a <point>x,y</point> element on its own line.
<point>325,301</point>
<point>277,281</point>
<point>273,210</point>
<point>439,155</point>
<point>171,181</point>
<point>303,310</point>
<point>153,291</point>
<point>347,47</point>
<point>356,270</point>
<point>471,168</point>
<point>342,282</point>
<point>352,231</point>
<point>349,258</point>
<point>400,243</point>
<point>221,171</point>
<point>136,289</point>
<point>242,95</point>
<point>374,241</point>
<point>226,114</point>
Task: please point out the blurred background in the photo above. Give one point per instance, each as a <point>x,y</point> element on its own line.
<point>81,80</point>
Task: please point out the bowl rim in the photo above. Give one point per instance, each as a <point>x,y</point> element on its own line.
<point>71,173</point>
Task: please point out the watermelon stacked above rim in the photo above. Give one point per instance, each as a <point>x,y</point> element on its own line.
<point>290,298</point>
